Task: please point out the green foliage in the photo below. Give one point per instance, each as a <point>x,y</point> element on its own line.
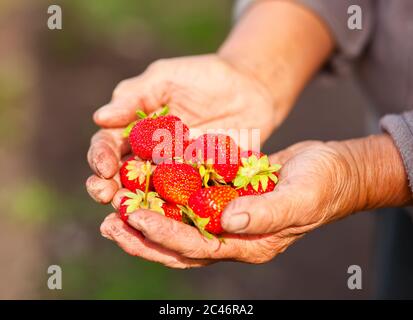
<point>32,202</point>
<point>185,25</point>
<point>111,274</point>
<point>15,79</point>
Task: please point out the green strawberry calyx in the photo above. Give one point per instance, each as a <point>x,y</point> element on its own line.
<point>128,129</point>
<point>138,170</point>
<point>199,222</point>
<point>142,115</point>
<point>136,201</point>
<point>208,173</point>
<point>255,171</point>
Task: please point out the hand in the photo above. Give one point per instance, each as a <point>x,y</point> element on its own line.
<point>315,185</point>
<point>319,183</point>
<point>206,92</point>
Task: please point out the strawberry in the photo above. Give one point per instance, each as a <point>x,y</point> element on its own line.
<point>206,207</point>
<point>220,156</point>
<point>158,138</point>
<point>133,174</point>
<point>255,175</point>
<point>175,182</point>
<point>172,211</point>
<point>249,153</point>
<point>134,201</point>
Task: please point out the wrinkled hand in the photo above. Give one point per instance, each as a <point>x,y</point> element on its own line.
<point>317,185</point>
<point>206,92</point>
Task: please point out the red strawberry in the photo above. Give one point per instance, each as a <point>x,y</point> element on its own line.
<point>123,208</point>
<point>249,189</point>
<point>175,182</point>
<point>220,155</point>
<point>249,153</point>
<point>172,211</point>
<point>206,207</point>
<point>255,175</point>
<point>158,138</point>
<point>134,201</point>
<point>133,174</point>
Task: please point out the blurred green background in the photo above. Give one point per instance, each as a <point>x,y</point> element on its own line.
<point>50,84</point>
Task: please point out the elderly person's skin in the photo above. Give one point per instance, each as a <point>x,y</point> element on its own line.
<point>260,70</point>
<point>319,183</point>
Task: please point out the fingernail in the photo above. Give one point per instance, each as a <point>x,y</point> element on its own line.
<point>100,168</point>
<point>105,235</point>
<point>236,222</point>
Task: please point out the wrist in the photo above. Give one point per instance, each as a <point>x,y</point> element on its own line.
<point>378,173</point>
<point>253,50</point>
<point>281,44</point>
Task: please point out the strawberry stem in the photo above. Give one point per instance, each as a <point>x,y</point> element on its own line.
<point>141,114</point>
<point>163,112</point>
<point>128,129</point>
<point>148,176</point>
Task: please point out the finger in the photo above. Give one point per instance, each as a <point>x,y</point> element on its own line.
<point>117,113</point>
<point>266,213</point>
<point>147,92</point>
<point>134,243</point>
<point>118,197</point>
<point>101,190</point>
<point>182,238</point>
<point>106,149</point>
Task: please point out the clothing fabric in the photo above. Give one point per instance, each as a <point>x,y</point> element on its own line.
<point>380,54</point>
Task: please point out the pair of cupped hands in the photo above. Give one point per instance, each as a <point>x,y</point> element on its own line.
<point>208,92</point>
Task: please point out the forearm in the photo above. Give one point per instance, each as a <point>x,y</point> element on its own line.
<point>379,172</point>
<point>282,44</point>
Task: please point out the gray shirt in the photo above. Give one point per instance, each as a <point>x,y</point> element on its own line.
<point>380,54</point>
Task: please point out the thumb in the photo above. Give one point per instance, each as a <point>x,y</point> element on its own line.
<point>117,113</point>
<point>266,213</point>
<point>147,94</point>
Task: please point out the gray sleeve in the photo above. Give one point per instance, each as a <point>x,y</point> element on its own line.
<point>400,127</point>
<point>349,43</point>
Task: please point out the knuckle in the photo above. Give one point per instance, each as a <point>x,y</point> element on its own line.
<point>154,227</point>
<point>107,225</point>
<point>194,253</point>
<point>115,231</point>
<point>267,218</point>
<point>261,259</point>
<point>263,255</point>
<point>121,87</point>
<point>157,64</point>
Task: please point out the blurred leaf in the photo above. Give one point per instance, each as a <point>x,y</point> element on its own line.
<point>15,83</point>
<point>112,274</point>
<point>34,202</point>
<point>185,25</point>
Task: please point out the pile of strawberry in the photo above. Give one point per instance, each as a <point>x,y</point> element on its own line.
<point>189,181</point>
